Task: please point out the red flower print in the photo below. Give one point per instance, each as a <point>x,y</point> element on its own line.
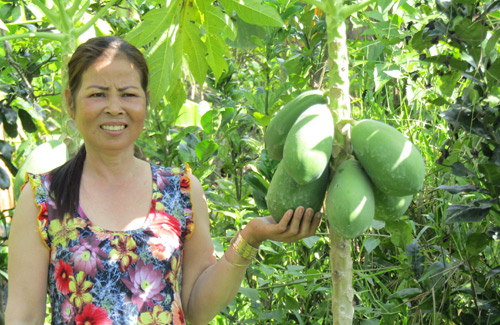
<point>185,184</point>
<point>93,315</point>
<point>145,284</point>
<point>167,225</point>
<point>177,311</point>
<point>62,273</point>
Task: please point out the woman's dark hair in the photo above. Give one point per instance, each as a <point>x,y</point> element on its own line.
<point>65,180</point>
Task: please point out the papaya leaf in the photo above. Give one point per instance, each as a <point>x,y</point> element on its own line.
<point>165,66</point>
<point>216,47</point>
<point>254,12</point>
<point>219,22</point>
<point>455,189</point>
<point>153,25</point>
<point>4,180</point>
<point>195,51</point>
<point>466,213</point>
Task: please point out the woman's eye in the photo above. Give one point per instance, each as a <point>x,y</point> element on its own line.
<point>97,95</point>
<point>129,95</point>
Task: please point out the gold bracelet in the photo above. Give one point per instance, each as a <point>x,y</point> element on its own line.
<point>235,264</point>
<point>244,249</point>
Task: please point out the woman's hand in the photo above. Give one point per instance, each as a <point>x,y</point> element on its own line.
<point>292,227</point>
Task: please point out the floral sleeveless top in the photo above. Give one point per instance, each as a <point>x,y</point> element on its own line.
<point>104,277</point>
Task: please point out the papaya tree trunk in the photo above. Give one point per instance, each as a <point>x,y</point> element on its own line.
<point>338,78</point>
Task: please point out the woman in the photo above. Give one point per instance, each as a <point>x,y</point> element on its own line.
<point>109,235</point>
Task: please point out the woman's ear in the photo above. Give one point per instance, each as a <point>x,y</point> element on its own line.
<point>69,103</point>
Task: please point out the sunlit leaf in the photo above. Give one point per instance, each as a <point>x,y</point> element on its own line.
<point>254,12</point>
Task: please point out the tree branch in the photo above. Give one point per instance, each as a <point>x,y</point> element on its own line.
<point>349,10</point>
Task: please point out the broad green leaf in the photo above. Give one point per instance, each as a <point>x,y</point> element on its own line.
<point>217,50</point>
<point>153,25</point>
<point>205,149</point>
<point>219,22</point>
<point>254,12</point>
<point>26,121</point>
<point>251,293</point>
<point>370,244</point>
<point>401,232</point>
<point>4,180</point>
<point>476,243</point>
<point>472,33</point>
<point>160,64</point>
<point>195,51</point>
<point>466,213</point>
<point>455,189</point>
<point>191,113</point>
<point>492,43</point>
<point>448,82</point>
<point>176,96</point>
<point>210,121</point>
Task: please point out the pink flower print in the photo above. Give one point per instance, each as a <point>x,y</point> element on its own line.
<point>145,285</point>
<point>67,311</point>
<point>87,256</point>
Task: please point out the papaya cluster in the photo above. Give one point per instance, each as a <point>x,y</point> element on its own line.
<point>379,181</point>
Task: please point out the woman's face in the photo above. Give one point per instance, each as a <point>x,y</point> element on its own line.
<point>110,106</point>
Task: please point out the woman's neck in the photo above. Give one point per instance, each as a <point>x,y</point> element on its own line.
<point>112,167</point>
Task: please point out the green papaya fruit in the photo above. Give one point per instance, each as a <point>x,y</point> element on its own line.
<point>393,163</point>
<point>42,159</point>
<point>308,145</point>
<point>278,128</point>
<point>350,202</point>
<point>388,207</point>
<point>284,193</point>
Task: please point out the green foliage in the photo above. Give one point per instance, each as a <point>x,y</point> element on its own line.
<point>429,69</point>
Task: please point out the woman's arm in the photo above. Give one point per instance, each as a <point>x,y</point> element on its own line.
<point>208,285</point>
<point>28,265</point>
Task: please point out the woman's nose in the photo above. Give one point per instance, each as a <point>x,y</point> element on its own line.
<point>114,106</point>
